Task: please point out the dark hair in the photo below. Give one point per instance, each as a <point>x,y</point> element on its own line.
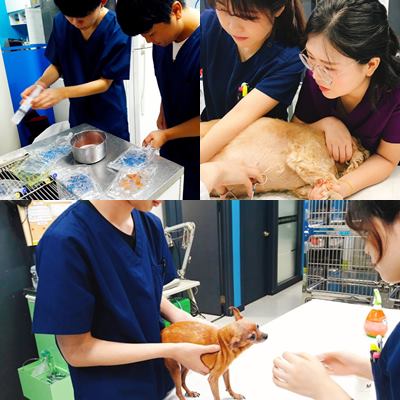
<point>288,27</point>
<point>360,29</point>
<point>138,16</point>
<point>360,215</point>
<point>77,8</point>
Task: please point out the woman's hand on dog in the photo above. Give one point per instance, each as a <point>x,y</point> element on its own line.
<point>305,374</point>
<point>338,139</point>
<point>189,355</point>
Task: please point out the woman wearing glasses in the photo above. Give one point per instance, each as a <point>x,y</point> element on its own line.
<point>251,68</point>
<point>353,87</point>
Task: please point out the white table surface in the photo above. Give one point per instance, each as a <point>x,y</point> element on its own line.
<point>314,327</point>
<point>386,190</point>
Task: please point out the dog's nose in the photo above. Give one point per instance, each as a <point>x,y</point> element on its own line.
<point>264,336</point>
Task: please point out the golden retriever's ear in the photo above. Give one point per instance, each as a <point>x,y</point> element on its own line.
<point>236,313</point>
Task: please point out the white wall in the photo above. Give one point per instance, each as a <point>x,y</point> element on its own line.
<point>9,139</point>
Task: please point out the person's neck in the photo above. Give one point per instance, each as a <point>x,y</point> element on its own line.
<point>352,100</point>
<point>88,32</point>
<point>117,212</point>
<point>191,21</point>
<point>246,53</point>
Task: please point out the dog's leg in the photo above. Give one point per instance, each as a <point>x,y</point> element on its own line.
<point>175,371</point>
<point>227,381</point>
<point>189,393</point>
<point>310,168</point>
<point>302,192</point>
<point>213,381</point>
<point>359,156</point>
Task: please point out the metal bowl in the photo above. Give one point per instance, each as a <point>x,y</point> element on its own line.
<point>89,147</point>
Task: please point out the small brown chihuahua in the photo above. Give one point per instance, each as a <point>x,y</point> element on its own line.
<point>233,339</point>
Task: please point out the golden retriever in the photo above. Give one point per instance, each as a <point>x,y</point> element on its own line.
<point>293,157</point>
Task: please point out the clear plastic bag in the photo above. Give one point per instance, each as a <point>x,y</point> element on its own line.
<point>32,170</point>
<point>135,158</point>
<point>128,184</point>
<point>57,150</point>
<point>79,182</point>
<point>10,189</point>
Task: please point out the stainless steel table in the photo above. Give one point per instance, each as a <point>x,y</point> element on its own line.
<point>167,173</point>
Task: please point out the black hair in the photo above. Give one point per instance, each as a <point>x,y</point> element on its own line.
<point>287,28</point>
<point>77,8</point>
<point>360,29</point>
<point>360,215</point>
<point>138,16</point>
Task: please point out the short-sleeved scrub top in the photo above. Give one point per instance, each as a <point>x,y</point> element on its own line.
<point>92,278</point>
<point>105,55</point>
<point>275,70</point>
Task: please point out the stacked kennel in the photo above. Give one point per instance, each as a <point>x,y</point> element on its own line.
<point>335,265</point>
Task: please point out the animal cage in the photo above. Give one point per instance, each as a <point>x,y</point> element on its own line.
<point>336,266</point>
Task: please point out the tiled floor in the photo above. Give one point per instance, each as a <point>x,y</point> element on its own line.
<point>268,307</point>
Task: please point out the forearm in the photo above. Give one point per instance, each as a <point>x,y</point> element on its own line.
<point>332,391</point>
<point>173,314</point>
<point>93,352</point>
<point>376,169</point>
<point>87,89</point>
<point>190,128</point>
<point>252,107</point>
<point>50,75</point>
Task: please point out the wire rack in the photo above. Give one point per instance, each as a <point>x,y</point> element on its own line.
<point>48,189</point>
<point>336,266</point>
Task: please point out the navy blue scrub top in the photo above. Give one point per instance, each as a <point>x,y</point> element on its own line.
<point>275,70</point>
<point>386,370</point>
<point>178,82</point>
<point>105,55</point>
<point>92,280</point>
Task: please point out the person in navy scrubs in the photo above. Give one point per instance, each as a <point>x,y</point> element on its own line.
<point>308,375</point>
<point>102,266</point>
<point>250,62</point>
<point>174,31</point>
<point>90,52</point>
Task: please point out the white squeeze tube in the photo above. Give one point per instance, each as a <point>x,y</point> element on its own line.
<point>26,105</point>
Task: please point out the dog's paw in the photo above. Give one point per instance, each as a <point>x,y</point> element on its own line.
<point>192,394</point>
<point>237,396</point>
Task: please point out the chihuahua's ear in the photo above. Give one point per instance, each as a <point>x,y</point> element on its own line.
<point>236,313</point>
<point>235,342</point>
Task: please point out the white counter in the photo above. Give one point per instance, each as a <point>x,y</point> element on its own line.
<point>314,327</point>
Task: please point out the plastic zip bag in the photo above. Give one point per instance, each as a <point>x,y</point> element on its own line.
<point>10,189</point>
<point>134,158</point>
<point>32,170</point>
<point>78,181</point>
<point>128,184</point>
<point>57,150</point>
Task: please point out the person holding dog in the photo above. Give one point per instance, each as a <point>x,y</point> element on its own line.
<point>102,266</point>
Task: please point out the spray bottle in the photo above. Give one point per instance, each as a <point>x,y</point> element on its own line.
<point>26,105</point>
<point>376,323</point>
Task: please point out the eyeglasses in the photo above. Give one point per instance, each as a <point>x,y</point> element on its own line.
<point>325,75</point>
